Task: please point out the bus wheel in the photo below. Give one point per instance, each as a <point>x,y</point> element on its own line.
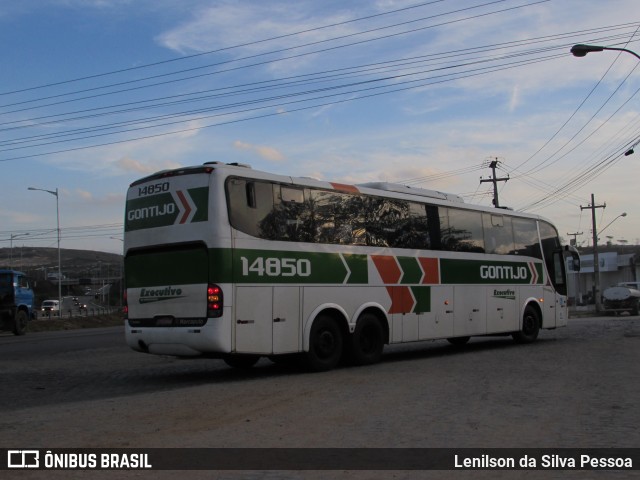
<point>458,341</point>
<point>20,325</point>
<point>530,326</point>
<point>325,344</point>
<point>367,341</point>
<point>241,361</point>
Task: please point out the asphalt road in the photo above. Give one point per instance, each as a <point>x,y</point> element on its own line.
<point>575,387</point>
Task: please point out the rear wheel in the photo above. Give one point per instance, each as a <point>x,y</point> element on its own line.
<point>20,325</point>
<point>458,341</point>
<point>325,344</point>
<point>367,341</point>
<point>530,326</point>
<point>241,361</point>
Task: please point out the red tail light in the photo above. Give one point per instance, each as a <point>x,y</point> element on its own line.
<point>214,301</point>
<point>125,305</point>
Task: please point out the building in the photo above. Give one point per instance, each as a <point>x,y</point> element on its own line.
<point>617,264</point>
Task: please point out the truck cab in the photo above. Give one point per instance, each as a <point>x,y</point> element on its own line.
<point>16,301</point>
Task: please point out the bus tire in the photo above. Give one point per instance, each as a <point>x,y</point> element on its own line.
<point>241,361</point>
<point>20,323</point>
<point>458,341</point>
<point>325,344</point>
<point>530,326</point>
<point>367,340</point>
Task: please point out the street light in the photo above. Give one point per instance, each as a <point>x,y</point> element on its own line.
<point>596,261</point>
<point>581,50</point>
<point>55,193</point>
<point>623,214</point>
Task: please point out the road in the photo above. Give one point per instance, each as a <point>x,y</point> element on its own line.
<point>575,387</point>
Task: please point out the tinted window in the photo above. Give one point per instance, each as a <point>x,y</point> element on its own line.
<point>551,247</point>
<point>498,234</point>
<point>463,231</point>
<point>249,204</point>
<point>525,235</point>
<point>296,214</point>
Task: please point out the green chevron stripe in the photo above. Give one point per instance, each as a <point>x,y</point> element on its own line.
<point>423,299</point>
<point>411,268</point>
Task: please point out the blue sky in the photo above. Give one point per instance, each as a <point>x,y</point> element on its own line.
<point>97,93</point>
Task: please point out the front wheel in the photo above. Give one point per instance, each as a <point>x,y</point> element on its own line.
<point>325,344</point>
<point>20,325</point>
<point>530,326</point>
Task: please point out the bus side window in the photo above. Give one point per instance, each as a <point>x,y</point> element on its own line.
<point>412,229</point>
<point>464,232</point>
<point>291,219</point>
<point>437,220</point>
<point>525,235</point>
<point>498,233</point>
<point>249,203</point>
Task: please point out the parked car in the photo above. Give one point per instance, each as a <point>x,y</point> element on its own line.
<point>624,297</point>
<point>50,307</point>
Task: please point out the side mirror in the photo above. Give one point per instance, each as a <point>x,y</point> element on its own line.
<point>575,257</point>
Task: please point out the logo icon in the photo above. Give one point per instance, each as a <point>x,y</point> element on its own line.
<point>23,459</point>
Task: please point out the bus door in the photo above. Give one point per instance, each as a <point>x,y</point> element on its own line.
<point>470,310</point>
<point>555,292</point>
<point>501,309</point>
<point>267,319</point>
<point>438,323</point>
<point>549,307</point>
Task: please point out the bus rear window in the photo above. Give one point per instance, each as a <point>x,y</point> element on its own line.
<point>166,265</point>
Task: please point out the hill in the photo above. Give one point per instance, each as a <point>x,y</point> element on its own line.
<point>75,263</point>
<point>82,270</point>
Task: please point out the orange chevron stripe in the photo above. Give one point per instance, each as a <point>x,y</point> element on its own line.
<point>345,188</point>
<point>388,268</point>
<point>431,269</point>
<point>401,300</point>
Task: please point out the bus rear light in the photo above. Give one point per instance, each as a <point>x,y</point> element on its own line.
<point>125,305</point>
<point>214,301</point>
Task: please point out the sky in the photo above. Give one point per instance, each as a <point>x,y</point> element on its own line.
<point>95,94</point>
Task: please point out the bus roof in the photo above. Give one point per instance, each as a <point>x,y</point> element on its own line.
<point>382,187</point>
<point>422,192</point>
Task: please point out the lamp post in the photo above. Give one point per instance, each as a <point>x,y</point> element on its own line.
<point>55,193</point>
<point>581,50</point>
<point>596,261</point>
<point>623,214</point>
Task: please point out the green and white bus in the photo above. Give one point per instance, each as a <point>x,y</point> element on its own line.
<point>228,262</point>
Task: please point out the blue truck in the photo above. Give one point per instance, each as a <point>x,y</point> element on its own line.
<point>16,301</point>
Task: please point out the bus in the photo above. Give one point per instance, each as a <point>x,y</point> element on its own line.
<point>224,261</point>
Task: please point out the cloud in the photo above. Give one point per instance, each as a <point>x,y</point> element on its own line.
<point>267,153</point>
<point>128,164</point>
<point>84,194</point>
<point>11,216</point>
<point>248,28</point>
<point>515,99</point>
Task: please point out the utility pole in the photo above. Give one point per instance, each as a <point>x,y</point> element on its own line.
<point>574,242</point>
<point>596,263</point>
<point>494,180</point>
